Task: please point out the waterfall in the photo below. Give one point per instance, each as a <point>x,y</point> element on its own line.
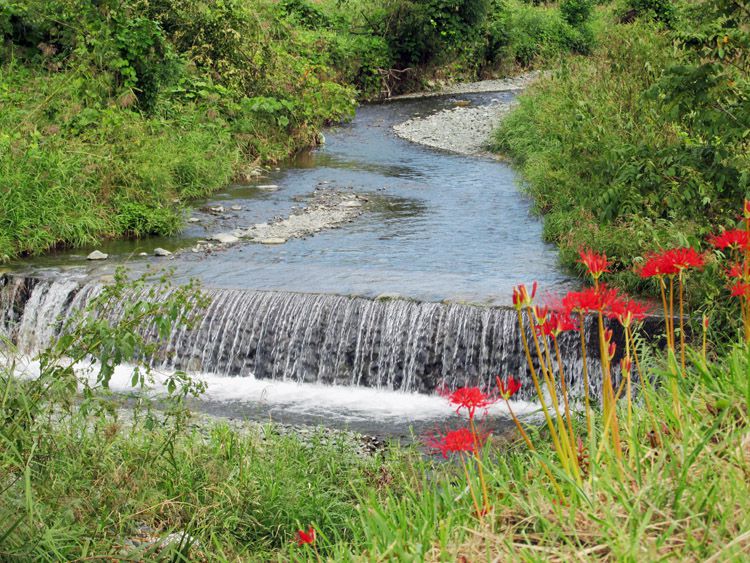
<point>393,344</point>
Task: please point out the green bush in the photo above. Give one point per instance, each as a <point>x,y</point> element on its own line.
<point>576,12</point>
<point>658,10</point>
<point>628,151</point>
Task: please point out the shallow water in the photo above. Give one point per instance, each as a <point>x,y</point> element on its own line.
<point>443,226</point>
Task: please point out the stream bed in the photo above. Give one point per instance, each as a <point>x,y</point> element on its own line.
<point>438,227</point>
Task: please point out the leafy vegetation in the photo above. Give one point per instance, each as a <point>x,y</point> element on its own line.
<point>645,143</point>
<point>115,114</point>
<point>79,480</point>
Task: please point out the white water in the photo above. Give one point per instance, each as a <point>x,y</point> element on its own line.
<point>346,404</point>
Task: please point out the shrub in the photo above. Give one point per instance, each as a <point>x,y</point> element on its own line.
<point>658,10</point>
<point>576,12</point>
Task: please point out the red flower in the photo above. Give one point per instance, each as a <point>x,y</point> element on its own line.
<point>706,320</point>
<point>461,440</point>
<point>734,238</point>
<point>740,289</point>
<point>655,266</point>
<point>628,311</point>
<point>684,258</point>
<point>747,209</point>
<point>625,365</point>
<point>540,313</point>
<point>306,537</point>
<point>557,323</point>
<point>469,398</point>
<point>735,271</point>
<point>508,388</point>
<point>601,299</point>
<point>671,262</point>
<point>596,263</point>
<point>521,297</point>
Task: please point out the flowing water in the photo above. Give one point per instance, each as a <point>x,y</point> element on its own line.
<point>299,324</point>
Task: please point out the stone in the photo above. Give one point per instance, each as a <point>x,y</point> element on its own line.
<point>236,208</point>
<point>143,254</point>
<point>217,209</point>
<point>97,255</point>
<point>268,187</point>
<point>194,220</point>
<point>350,203</point>
<point>161,252</point>
<point>224,238</point>
<point>273,240</point>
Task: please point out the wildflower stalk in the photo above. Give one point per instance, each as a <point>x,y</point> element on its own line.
<point>531,447</point>
<point>468,484</point>
<point>644,382</point>
<point>608,395</point>
<point>587,401</point>
<point>482,482</point>
<point>564,390</point>
<point>682,322</point>
<point>550,382</point>
<point>548,419</point>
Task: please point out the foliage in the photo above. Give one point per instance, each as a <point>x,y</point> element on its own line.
<point>663,11</point>
<point>617,156</point>
<point>576,12</point>
<point>80,481</point>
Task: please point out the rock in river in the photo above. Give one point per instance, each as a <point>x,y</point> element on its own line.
<point>97,255</point>
<point>224,238</point>
<point>161,252</point>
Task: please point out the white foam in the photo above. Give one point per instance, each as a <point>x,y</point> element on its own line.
<point>341,402</point>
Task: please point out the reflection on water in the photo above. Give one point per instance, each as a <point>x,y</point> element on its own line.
<point>442,226</point>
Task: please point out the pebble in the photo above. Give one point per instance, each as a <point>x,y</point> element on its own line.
<point>194,220</point>
<point>161,252</point>
<point>236,208</point>
<point>97,255</point>
<point>224,238</point>
<point>268,187</point>
<point>272,240</point>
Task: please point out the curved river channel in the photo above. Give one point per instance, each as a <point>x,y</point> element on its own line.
<point>439,227</point>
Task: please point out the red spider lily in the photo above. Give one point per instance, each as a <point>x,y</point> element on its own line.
<point>740,289</point>
<point>508,388</point>
<point>557,323</point>
<point>471,399</point>
<point>628,311</point>
<point>611,350</point>
<point>601,299</point>
<point>656,265</point>
<point>733,238</point>
<point>671,262</point>
<point>456,441</point>
<point>306,538</point>
<point>608,335</point>
<point>544,329</point>
<point>735,271</point>
<point>540,313</point>
<point>595,263</point>
<point>684,258</point>
<point>521,297</point>
<point>625,365</point>
<point>706,320</point>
